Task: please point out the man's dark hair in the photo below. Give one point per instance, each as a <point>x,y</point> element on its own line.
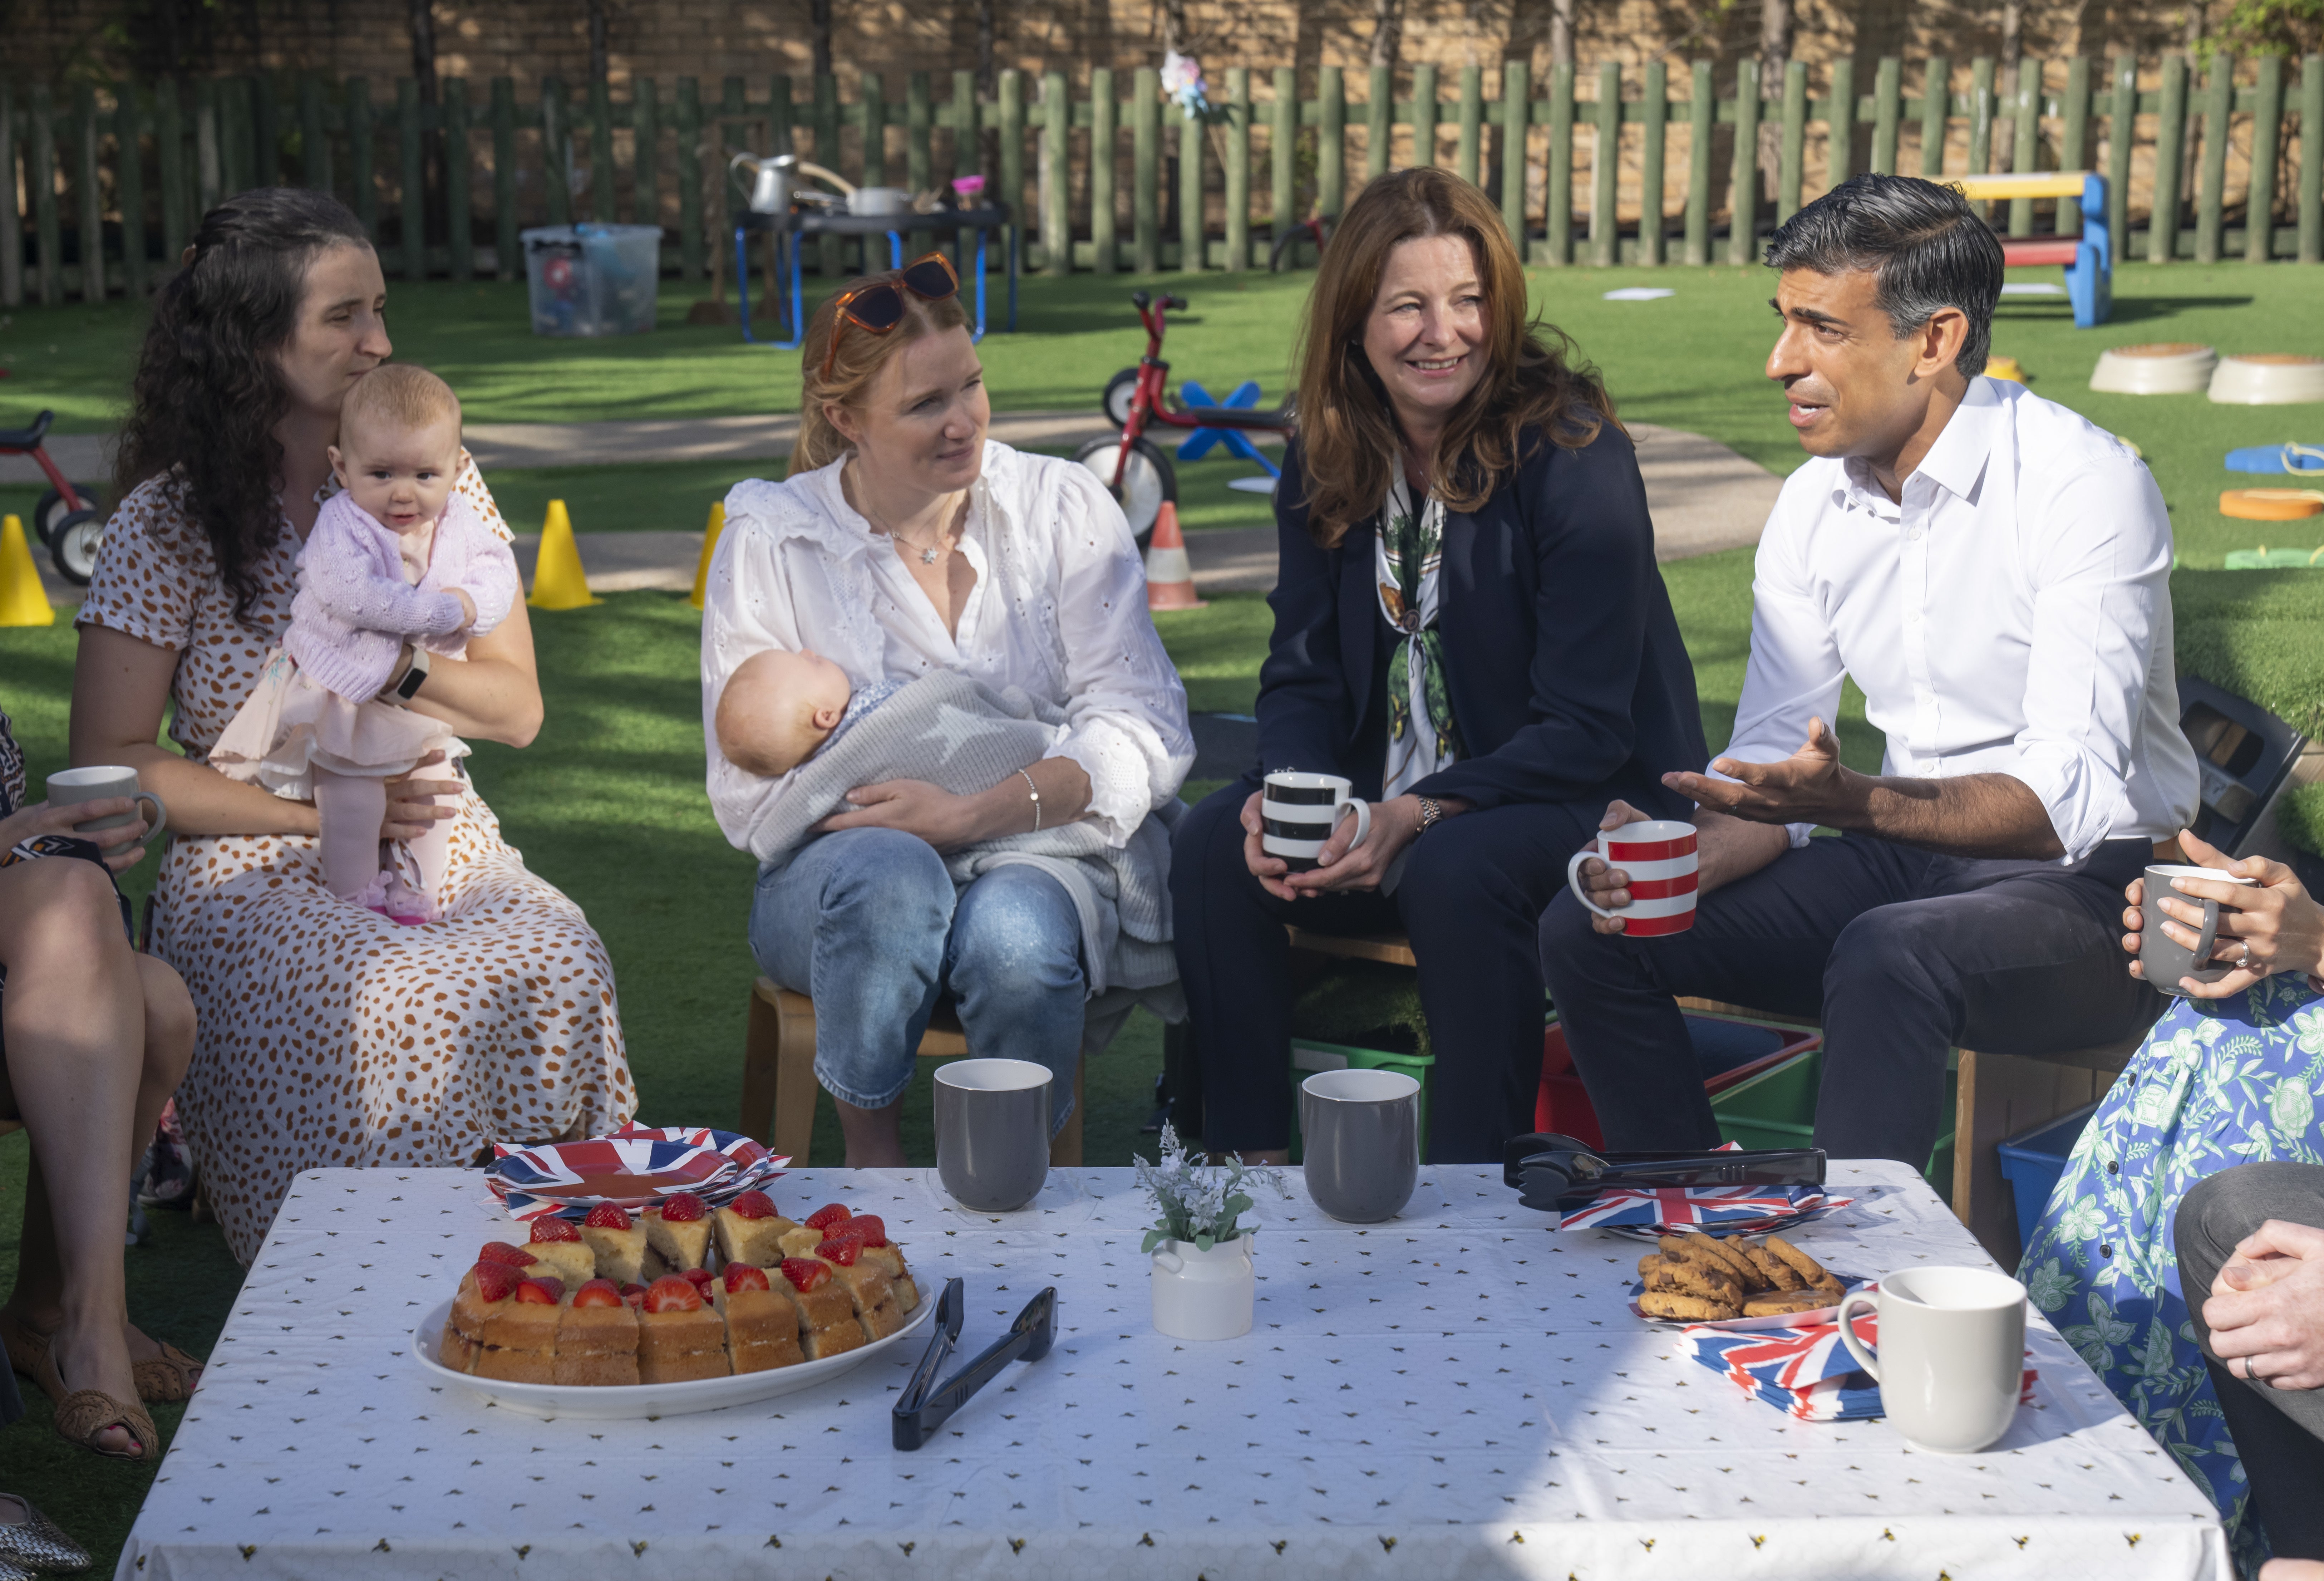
<point>1924,244</point>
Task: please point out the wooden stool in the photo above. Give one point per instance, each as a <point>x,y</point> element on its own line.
<point>779,1083</point>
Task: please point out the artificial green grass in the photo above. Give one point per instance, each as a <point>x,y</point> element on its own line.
<point>1692,361</point>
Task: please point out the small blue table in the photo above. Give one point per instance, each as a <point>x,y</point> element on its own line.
<point>789,232</point>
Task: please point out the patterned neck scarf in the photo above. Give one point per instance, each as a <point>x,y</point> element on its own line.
<point>1421,737</point>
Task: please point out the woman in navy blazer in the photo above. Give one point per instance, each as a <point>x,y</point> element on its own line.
<point>1468,626</point>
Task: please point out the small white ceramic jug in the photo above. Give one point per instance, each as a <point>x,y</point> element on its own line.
<point>1203,1295</point>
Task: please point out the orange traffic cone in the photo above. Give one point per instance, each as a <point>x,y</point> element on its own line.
<point>1169,576</point>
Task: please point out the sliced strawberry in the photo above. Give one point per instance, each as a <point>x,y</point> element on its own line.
<point>502,1253</point>
<point>552,1228</point>
<point>634,1295</point>
<point>608,1215</point>
<point>670,1293</point>
<point>682,1208</point>
<point>597,1293</point>
<point>540,1292</point>
<point>823,1217</point>
<point>701,1278</point>
<point>806,1273</point>
<point>868,1228</point>
<point>754,1204</point>
<point>742,1276</point>
<point>496,1281</point>
<point>843,1249</point>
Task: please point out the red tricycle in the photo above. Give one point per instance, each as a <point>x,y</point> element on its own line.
<point>1134,468</point>
<point>66,518</point>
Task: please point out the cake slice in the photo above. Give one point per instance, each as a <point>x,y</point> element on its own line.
<point>485,1291</point>
<point>617,1241</point>
<point>750,1231</point>
<point>762,1326</point>
<point>558,1242</point>
<point>520,1338</point>
<point>827,1324</point>
<point>679,1337</point>
<point>868,1285</point>
<point>881,1252</point>
<point>596,1338</point>
<point>678,1230</point>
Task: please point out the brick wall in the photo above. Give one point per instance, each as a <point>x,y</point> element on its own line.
<point>711,39</point>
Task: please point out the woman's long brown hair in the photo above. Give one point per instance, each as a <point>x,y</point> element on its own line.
<point>1531,382</point>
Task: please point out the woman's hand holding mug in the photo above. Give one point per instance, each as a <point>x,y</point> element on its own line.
<point>2266,922</point>
<point>122,844</point>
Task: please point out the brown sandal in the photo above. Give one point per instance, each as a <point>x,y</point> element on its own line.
<point>83,1413</point>
<point>167,1378</point>
<point>161,1379</point>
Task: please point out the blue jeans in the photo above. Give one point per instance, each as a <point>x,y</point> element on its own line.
<point>866,923</point>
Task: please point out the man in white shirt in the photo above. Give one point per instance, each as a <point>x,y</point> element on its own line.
<point>1994,572</point>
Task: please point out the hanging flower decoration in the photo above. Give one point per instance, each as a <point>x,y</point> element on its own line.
<point>1182,80</point>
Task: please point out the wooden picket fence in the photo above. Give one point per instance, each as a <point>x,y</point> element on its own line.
<point>107,185</point>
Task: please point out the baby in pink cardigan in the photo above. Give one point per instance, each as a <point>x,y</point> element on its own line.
<point>396,556</point>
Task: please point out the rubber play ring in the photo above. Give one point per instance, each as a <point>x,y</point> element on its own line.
<point>2271,504</point>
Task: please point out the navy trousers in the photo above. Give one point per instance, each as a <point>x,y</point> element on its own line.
<point>1469,899</point>
<point>1902,954</point>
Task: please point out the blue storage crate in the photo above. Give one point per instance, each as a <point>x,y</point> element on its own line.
<point>2031,1161</point>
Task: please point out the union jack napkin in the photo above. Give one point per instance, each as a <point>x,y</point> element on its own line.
<point>1803,1372</point>
<point>635,1166</point>
<point>1719,1210</point>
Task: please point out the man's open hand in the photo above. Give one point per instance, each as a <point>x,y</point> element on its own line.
<point>1810,786</point>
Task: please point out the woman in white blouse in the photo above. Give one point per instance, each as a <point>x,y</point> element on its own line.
<point>904,541</point>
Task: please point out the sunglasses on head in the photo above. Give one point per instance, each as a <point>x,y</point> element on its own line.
<point>878,308</point>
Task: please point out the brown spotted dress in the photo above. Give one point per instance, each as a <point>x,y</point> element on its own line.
<point>329,1035</point>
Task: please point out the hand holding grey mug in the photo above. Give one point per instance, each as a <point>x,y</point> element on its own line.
<point>2162,960</point>
<point>993,1132</point>
<point>105,782</point>
<point>1359,1132</point>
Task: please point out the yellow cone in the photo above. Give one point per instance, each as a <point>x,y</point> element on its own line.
<point>23,602</point>
<point>558,582</point>
<point>710,532</point>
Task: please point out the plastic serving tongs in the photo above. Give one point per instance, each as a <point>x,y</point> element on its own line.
<point>924,1405</point>
<point>1558,1174</point>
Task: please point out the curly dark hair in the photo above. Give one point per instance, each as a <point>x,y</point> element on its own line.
<point>208,391</point>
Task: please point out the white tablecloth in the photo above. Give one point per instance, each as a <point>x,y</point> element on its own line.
<point>1460,1392</point>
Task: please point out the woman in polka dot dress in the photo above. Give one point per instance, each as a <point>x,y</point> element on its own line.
<point>328,1036</point>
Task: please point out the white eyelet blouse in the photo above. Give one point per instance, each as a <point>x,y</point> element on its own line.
<point>1058,610</point>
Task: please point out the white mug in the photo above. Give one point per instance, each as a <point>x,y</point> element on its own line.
<point>1661,862</point>
<point>1951,1357</point>
<point>103,782</point>
<point>1298,812</point>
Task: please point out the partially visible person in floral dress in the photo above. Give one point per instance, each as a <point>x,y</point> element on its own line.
<point>329,1034</point>
<point>2229,1076</point>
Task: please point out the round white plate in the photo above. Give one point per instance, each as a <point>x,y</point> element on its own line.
<point>614,1403</point>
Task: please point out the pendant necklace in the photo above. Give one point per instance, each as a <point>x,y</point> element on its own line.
<point>927,551</point>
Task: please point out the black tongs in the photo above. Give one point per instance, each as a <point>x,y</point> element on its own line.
<point>925,1406</point>
<point>1558,1174</point>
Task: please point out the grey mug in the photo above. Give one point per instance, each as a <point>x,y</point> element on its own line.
<point>992,1131</point>
<point>103,782</point>
<point>1360,1134</point>
<point>2164,959</point>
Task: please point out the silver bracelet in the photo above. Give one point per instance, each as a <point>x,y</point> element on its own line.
<point>1036,799</point>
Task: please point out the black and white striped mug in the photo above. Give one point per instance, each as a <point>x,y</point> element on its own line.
<point>1298,812</point>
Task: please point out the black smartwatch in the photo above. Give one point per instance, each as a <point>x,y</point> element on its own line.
<point>415,674</point>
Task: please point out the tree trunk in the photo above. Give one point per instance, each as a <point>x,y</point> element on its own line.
<point>423,49</point>
<point>1176,38</point>
<point>2088,39</point>
<point>1388,33</point>
<point>2013,46</point>
<point>988,86</point>
<point>818,26</point>
<point>1561,33</point>
<point>600,62</point>
<point>1774,54</point>
<point>415,213</point>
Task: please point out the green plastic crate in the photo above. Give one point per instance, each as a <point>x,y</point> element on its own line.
<point>1309,1057</point>
<point>1777,1109</point>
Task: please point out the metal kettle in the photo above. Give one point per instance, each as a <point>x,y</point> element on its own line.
<point>775,182</point>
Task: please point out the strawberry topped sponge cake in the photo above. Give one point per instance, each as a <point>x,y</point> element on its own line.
<point>674,1293</point>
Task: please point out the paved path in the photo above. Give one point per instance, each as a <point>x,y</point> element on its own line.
<point>1704,497</point>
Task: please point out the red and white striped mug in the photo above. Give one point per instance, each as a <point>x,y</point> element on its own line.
<point>1660,859</point>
